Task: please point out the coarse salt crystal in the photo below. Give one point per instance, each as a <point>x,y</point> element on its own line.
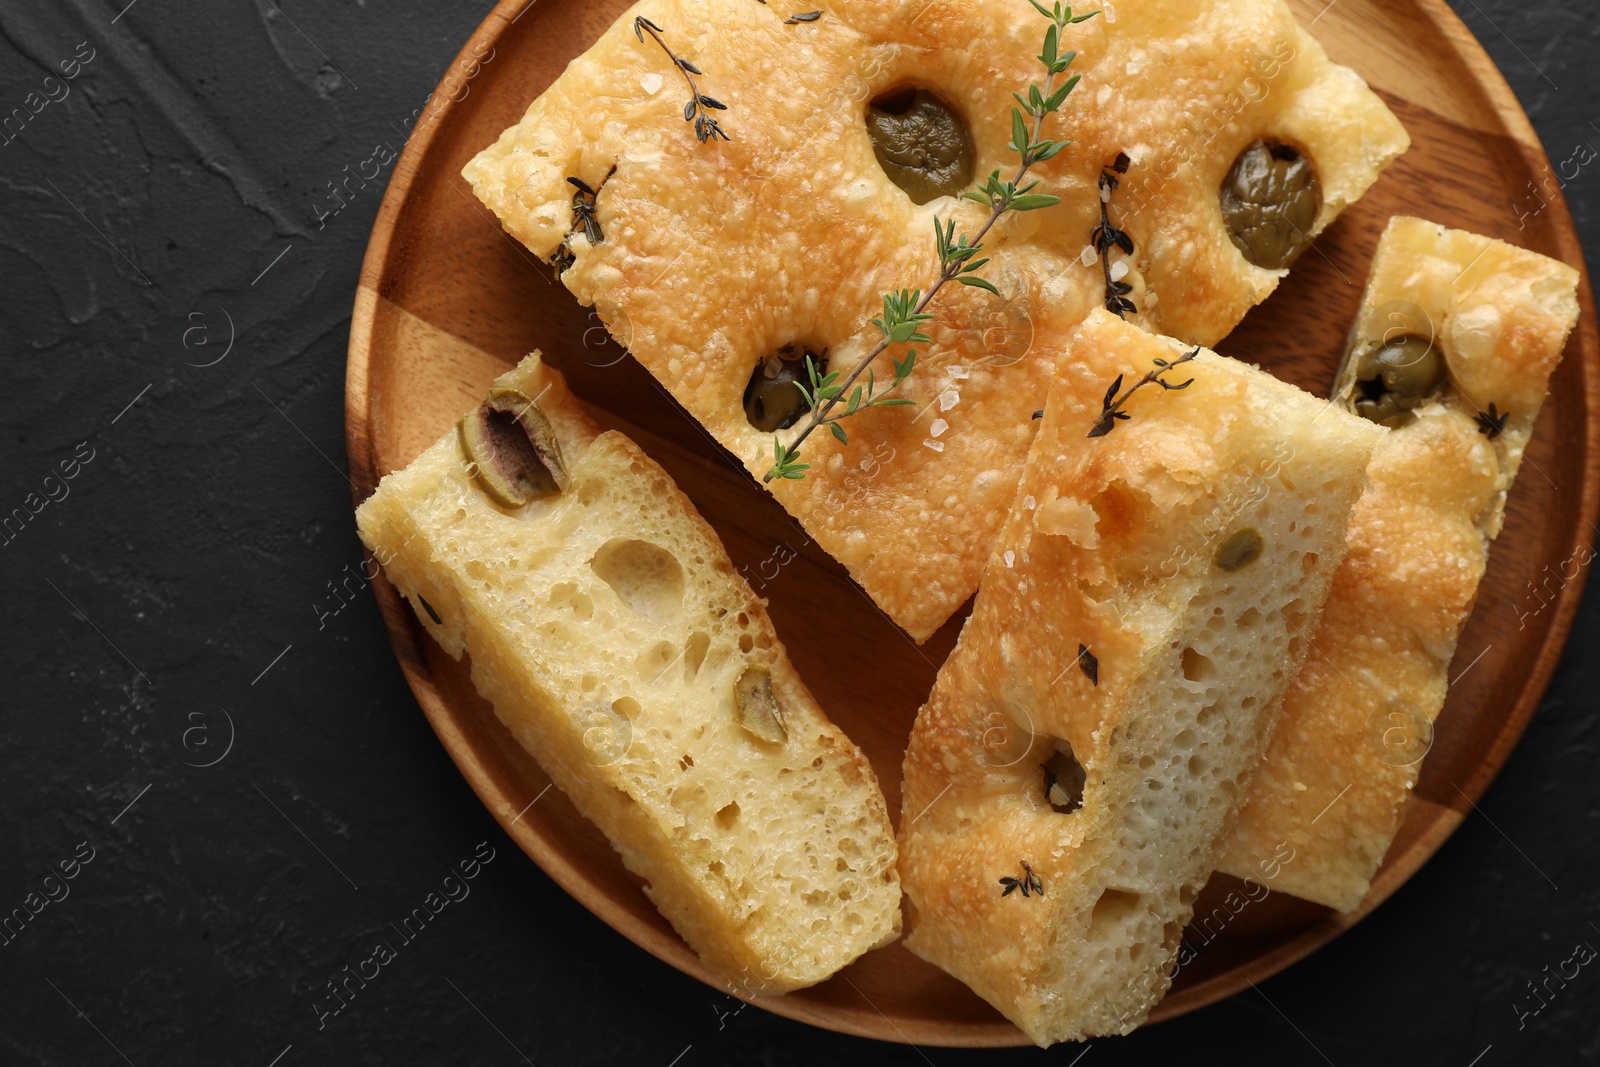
<point>949,399</point>
<point>1105,194</point>
<point>1011,557</point>
<point>1087,256</point>
<point>1028,502</point>
<point>960,374</point>
<point>1119,270</point>
<point>938,428</point>
<point>651,83</point>
<point>937,446</point>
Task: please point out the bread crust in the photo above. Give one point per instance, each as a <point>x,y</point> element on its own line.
<point>714,255</point>
<point>1358,720</point>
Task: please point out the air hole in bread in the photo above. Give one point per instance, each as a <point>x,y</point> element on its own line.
<point>746,642</point>
<point>727,815</point>
<point>1064,778</point>
<point>694,652</point>
<point>1197,668</point>
<point>653,662</point>
<point>646,577</point>
<point>1111,912</point>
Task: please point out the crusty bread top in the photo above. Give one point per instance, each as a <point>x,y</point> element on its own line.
<point>1357,721</point>
<point>714,255</point>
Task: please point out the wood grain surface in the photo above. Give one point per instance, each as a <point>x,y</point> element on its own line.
<point>447,301</point>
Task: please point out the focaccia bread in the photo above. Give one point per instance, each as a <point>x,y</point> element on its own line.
<point>705,259</point>
<point>1148,599</point>
<point>1489,322</point>
<point>620,648</point>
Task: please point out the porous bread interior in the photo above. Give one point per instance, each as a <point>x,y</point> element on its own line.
<point>608,627</point>
<point>714,255</point>
<point>1326,805</point>
<point>1192,664</point>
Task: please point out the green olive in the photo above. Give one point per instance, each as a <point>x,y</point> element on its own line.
<point>1242,548</point>
<point>514,452</point>
<point>1270,202</point>
<point>921,143</point>
<point>1063,779</point>
<point>1396,376</point>
<point>758,707</point>
<point>773,400</point>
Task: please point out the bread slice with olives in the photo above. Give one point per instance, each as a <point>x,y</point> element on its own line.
<point>619,646</point>
<point>718,263</point>
<point>1070,779</point>
<point>1453,348</point>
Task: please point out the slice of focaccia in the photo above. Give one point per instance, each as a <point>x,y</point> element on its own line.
<point>1069,781</point>
<point>717,263</point>
<point>619,647</point>
<point>1453,347</point>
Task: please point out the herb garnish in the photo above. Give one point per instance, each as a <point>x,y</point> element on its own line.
<point>804,16</point>
<point>1028,881</point>
<point>905,311</point>
<point>705,126</point>
<point>1106,237</point>
<point>1089,665</point>
<point>583,218</point>
<point>1111,408</point>
<point>1492,423</point>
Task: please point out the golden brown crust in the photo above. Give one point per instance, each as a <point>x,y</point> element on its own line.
<point>716,254</point>
<point>1358,720</point>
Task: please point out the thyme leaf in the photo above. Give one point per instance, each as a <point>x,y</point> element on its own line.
<point>1492,423</point>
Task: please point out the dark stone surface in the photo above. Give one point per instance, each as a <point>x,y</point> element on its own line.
<point>171,591</point>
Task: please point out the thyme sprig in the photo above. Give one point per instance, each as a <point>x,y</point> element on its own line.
<point>1106,237</point>
<point>804,16</point>
<point>1111,408</point>
<point>905,311</point>
<point>700,105</point>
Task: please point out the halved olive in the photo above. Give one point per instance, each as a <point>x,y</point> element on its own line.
<point>921,143</point>
<point>772,400</point>
<point>1394,377</point>
<point>1241,549</point>
<point>1270,202</point>
<point>1063,779</point>
<point>758,707</point>
<point>515,454</point>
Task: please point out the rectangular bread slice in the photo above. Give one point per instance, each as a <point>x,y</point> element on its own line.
<point>1358,720</point>
<point>1111,643</point>
<point>609,630</point>
<point>712,256</point>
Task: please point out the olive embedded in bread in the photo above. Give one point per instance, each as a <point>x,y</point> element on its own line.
<point>1270,202</point>
<point>773,399</point>
<point>921,143</point>
<point>1241,549</point>
<point>758,706</point>
<point>1394,377</point>
<point>513,449</point>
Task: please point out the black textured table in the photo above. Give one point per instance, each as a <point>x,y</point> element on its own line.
<point>219,793</point>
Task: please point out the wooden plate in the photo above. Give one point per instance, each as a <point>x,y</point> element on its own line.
<point>447,301</point>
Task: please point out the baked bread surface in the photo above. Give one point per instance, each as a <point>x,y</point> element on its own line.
<point>1358,719</point>
<point>715,255</point>
<point>1112,546</point>
<point>608,628</point>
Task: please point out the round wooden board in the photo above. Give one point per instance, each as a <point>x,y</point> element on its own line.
<point>447,301</point>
